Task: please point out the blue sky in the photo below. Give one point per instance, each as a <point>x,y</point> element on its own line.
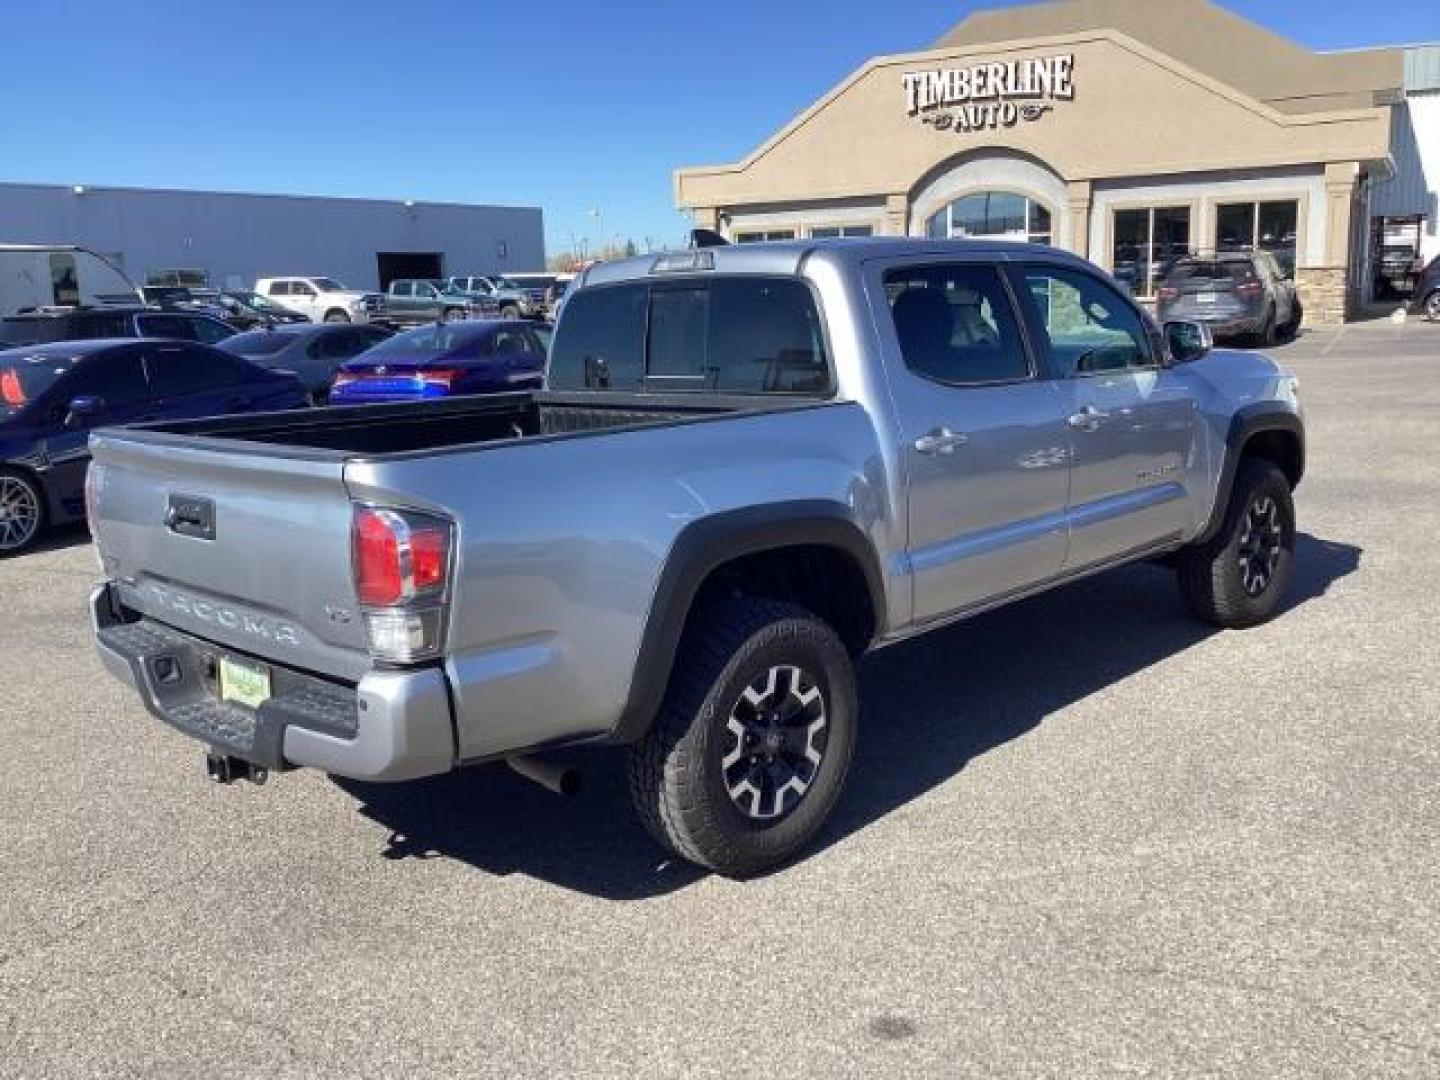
<point>565,104</point>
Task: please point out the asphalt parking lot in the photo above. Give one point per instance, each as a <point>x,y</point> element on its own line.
<point>1085,836</point>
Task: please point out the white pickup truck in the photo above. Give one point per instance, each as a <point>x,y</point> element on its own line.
<point>323,299</point>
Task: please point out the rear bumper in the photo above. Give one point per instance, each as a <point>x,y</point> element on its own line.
<point>392,726</point>
<point>1221,324</point>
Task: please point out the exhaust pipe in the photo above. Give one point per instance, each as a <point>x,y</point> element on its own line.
<point>561,779</point>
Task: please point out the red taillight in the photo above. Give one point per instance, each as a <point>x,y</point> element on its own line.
<point>377,560</point>
<point>11,392</point>
<point>1249,288</point>
<point>1167,294</point>
<point>402,567</point>
<point>398,556</point>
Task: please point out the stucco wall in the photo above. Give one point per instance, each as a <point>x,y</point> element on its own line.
<point>1135,112</point>
<point>237,238</point>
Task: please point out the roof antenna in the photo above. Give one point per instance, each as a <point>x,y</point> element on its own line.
<point>707,238</point>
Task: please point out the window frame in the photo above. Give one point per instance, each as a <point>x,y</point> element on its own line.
<point>1031,201</point>
<point>1153,340</point>
<point>839,231</point>
<point>1150,209</point>
<point>766,236</point>
<point>63,389</point>
<point>151,358</point>
<point>1017,313</point>
<point>1255,205</point>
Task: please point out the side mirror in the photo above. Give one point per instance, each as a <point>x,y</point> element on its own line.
<point>83,409</point>
<point>1188,341</point>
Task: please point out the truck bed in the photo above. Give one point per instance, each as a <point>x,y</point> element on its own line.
<point>413,427</point>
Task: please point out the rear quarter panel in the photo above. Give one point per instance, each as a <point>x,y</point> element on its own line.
<point>562,542</point>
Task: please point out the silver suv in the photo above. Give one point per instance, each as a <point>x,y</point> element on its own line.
<point>1236,294</point>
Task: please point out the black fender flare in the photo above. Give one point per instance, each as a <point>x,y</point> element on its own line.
<point>1249,421</point>
<point>709,543</point>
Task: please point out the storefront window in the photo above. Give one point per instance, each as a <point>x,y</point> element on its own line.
<point>761,237</point>
<point>995,215</point>
<point>830,232</point>
<point>1145,243</point>
<point>1265,226</point>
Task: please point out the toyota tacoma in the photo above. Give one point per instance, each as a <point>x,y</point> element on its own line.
<point>748,467</point>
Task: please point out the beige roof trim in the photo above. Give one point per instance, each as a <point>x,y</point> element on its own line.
<point>1122,40</point>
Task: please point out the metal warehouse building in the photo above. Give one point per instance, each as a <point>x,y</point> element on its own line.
<point>1129,132</point>
<point>231,239</point>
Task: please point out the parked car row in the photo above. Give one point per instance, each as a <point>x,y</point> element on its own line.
<point>55,392</point>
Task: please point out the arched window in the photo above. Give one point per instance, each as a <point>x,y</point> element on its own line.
<point>998,215</point>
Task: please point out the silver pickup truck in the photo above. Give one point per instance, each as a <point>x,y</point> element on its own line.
<point>750,465</point>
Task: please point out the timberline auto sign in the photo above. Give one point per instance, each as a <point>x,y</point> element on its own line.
<point>988,96</point>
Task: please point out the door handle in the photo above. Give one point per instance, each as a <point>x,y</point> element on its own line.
<point>940,441</point>
<point>1088,419</point>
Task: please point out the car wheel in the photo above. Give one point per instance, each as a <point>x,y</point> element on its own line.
<point>1269,332</point>
<point>1297,317</point>
<point>1238,579</point>
<point>509,311</point>
<point>22,512</point>
<point>336,315</point>
<point>1432,306</point>
<point>751,748</point>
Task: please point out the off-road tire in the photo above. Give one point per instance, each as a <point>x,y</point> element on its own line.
<point>1269,335</point>
<point>1211,577</point>
<point>1297,317</point>
<point>676,777</point>
<point>22,494</point>
<point>335,315</point>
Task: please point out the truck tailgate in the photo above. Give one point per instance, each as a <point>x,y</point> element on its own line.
<point>248,550</point>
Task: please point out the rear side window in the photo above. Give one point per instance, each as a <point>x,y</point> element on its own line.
<point>738,335</point>
<point>600,343</point>
<point>178,371</point>
<point>1228,270</point>
<point>955,324</point>
<point>257,343</point>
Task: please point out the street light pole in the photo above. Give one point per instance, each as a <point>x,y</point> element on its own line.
<point>599,217</point>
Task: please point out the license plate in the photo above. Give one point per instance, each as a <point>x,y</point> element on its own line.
<point>1204,297</point>
<point>245,684</point>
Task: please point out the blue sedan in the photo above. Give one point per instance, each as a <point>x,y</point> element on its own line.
<point>53,396</point>
<point>443,360</point>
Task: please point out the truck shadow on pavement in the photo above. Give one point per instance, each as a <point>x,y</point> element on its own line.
<point>929,708</point>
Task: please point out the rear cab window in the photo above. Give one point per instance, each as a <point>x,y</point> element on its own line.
<point>729,335</point>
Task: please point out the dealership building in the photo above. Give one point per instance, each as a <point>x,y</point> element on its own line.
<point>1128,131</point>
<point>228,240</point>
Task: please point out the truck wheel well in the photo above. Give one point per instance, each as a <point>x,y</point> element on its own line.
<point>825,581</point>
<point>1281,448</point>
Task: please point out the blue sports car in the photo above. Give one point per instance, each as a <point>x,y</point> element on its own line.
<point>442,360</point>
